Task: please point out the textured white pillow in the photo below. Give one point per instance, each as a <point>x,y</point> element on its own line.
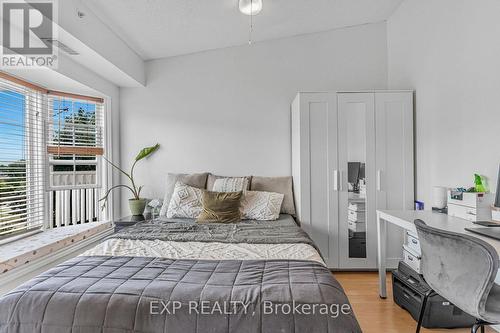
<point>261,206</point>
<point>196,179</point>
<point>230,184</point>
<point>186,202</point>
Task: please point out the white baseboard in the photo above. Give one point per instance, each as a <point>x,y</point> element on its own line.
<point>11,279</point>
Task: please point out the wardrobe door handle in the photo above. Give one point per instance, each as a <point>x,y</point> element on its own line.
<point>335,180</point>
<point>379,180</point>
<point>341,181</point>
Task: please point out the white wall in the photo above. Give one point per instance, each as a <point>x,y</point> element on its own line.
<point>448,51</point>
<point>228,111</point>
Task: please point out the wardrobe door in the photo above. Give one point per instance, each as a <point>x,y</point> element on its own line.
<point>356,156</point>
<point>394,161</point>
<point>314,159</point>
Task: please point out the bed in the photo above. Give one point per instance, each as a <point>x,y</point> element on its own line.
<point>176,275</point>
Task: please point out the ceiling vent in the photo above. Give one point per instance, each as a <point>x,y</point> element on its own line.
<point>61,46</point>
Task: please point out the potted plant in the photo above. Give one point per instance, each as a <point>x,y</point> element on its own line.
<point>136,203</point>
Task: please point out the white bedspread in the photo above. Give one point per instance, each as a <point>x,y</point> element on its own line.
<point>204,250</point>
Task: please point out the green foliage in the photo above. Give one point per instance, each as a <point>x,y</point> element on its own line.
<point>136,190</point>
<point>478,181</point>
<point>80,120</point>
<point>12,183</point>
<point>145,152</point>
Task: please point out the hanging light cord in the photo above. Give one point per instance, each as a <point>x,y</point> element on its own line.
<point>251,23</point>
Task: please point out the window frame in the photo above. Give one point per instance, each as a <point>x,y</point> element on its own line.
<point>40,165</point>
<point>98,156</point>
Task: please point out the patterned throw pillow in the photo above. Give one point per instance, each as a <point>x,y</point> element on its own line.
<point>261,206</point>
<point>186,202</point>
<point>232,184</point>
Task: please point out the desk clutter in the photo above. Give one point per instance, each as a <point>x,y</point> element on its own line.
<point>472,204</point>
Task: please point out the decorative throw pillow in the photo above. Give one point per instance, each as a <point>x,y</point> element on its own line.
<point>196,180</point>
<point>212,178</point>
<point>186,202</point>
<point>261,206</point>
<point>279,185</point>
<point>233,184</point>
<point>221,207</point>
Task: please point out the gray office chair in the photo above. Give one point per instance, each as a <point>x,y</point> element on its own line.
<point>462,269</point>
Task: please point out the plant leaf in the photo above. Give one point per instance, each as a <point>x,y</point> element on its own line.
<point>145,152</point>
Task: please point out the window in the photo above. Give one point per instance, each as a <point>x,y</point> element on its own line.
<point>50,164</point>
<point>21,158</point>
<point>74,142</point>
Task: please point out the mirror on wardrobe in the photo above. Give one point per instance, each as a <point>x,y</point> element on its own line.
<point>356,157</point>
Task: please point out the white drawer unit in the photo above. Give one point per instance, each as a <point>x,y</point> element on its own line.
<point>356,216</point>
<point>413,243</point>
<point>357,226</point>
<point>412,259</point>
<point>470,213</point>
<point>470,206</point>
<point>473,200</point>
<point>357,206</point>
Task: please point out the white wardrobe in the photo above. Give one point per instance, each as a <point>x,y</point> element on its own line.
<point>352,153</point>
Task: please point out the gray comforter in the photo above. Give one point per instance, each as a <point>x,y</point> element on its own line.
<point>282,231</point>
<point>149,295</point>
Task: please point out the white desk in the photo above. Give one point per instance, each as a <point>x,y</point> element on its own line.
<point>404,219</point>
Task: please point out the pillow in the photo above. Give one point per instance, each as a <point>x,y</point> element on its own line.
<point>212,178</point>
<point>196,180</point>
<point>223,207</point>
<point>235,184</point>
<point>186,202</point>
<point>278,185</point>
<point>261,206</point>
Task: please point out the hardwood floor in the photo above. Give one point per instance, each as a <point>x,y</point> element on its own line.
<point>376,315</point>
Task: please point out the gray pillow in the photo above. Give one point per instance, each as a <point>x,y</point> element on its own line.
<point>198,180</point>
<point>278,185</point>
<point>212,178</point>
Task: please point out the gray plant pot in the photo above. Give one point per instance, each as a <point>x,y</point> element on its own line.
<point>137,206</point>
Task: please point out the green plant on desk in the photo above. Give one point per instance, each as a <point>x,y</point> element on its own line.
<point>478,182</point>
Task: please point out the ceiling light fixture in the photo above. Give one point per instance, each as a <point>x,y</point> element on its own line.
<point>250,7</point>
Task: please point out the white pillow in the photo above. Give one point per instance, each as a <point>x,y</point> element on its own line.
<point>186,202</point>
<point>261,206</point>
<point>196,179</point>
<point>230,184</point>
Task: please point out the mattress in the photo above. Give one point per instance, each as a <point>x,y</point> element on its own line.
<point>204,250</point>
<point>265,247</point>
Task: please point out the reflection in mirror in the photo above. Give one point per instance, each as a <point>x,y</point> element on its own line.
<point>356,156</point>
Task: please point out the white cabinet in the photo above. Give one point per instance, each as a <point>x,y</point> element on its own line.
<point>352,153</point>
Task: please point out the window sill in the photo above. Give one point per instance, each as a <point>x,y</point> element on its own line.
<point>25,250</point>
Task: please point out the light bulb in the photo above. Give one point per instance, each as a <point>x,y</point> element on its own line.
<point>250,7</point>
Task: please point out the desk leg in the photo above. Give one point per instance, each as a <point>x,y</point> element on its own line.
<point>381,255</point>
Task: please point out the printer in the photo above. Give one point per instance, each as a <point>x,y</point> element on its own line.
<point>409,289</point>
